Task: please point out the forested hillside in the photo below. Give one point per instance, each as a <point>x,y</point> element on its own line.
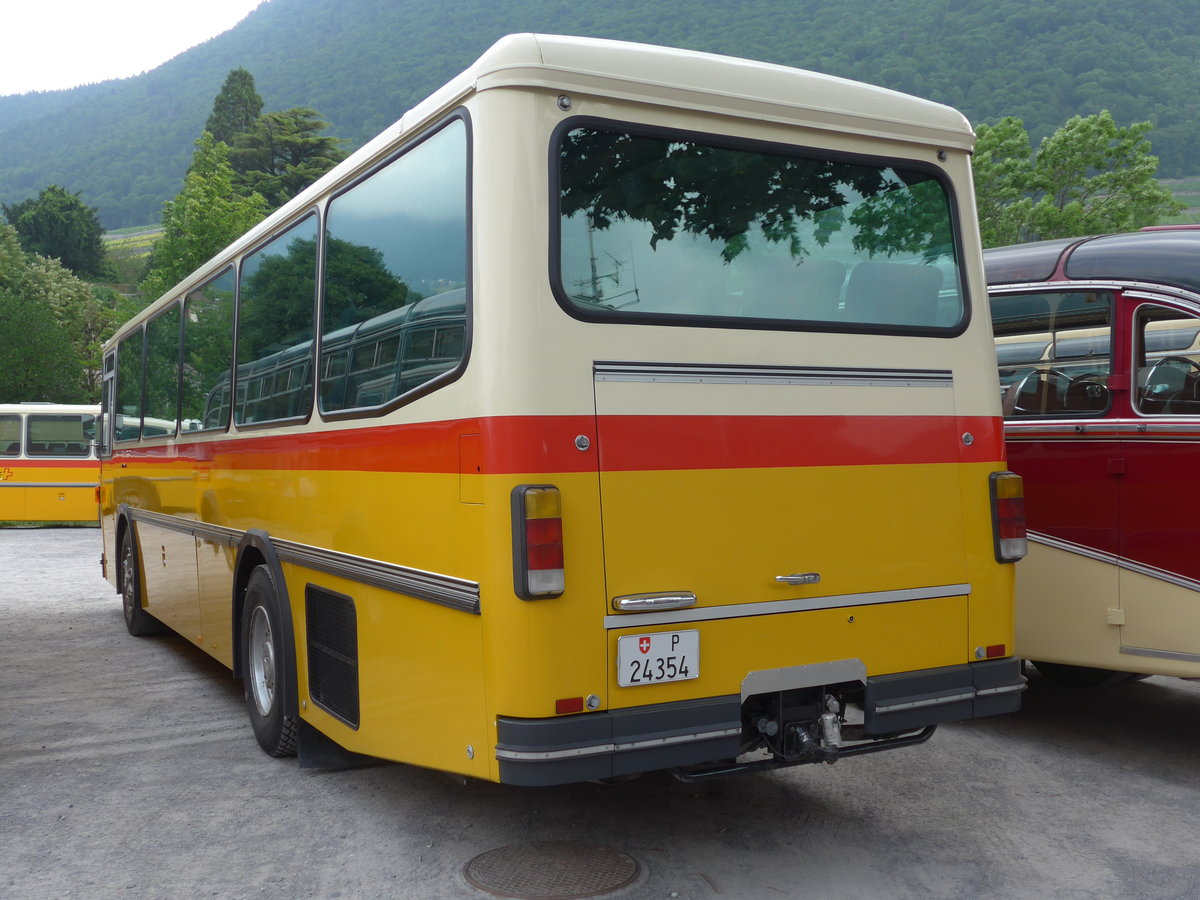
<point>125,144</point>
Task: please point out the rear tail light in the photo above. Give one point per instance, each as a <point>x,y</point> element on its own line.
<point>537,542</point>
<point>1008,516</point>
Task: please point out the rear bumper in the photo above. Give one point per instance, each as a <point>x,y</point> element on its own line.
<point>593,746</point>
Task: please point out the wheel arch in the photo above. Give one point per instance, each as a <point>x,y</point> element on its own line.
<point>124,523</point>
<point>255,549</point>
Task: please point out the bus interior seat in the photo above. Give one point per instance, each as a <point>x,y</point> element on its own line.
<point>782,288</point>
<point>1033,395</point>
<point>891,293</point>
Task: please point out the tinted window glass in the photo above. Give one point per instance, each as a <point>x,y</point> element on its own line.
<point>396,259</point>
<point>127,418</point>
<point>208,354</point>
<point>1054,350</point>
<point>275,326</point>
<point>1167,362</point>
<point>68,435</point>
<point>162,374</point>
<point>10,435</point>
<point>655,226</point>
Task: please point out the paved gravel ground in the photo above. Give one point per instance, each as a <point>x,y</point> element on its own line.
<point>127,769</point>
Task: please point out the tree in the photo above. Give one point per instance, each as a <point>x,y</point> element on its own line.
<point>51,326</point>
<point>40,364</point>
<point>204,217</point>
<point>283,153</point>
<point>1090,176</point>
<point>1003,170</point>
<point>57,224</point>
<point>235,108</point>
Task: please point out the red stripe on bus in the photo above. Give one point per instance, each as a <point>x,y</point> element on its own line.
<point>533,444</point>
<point>636,443</point>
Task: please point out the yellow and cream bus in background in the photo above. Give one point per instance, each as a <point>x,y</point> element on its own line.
<point>619,409</point>
<point>48,466</point>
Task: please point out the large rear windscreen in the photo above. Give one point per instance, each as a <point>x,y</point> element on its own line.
<point>658,227</point>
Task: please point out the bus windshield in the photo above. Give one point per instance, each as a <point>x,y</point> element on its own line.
<point>666,226</point>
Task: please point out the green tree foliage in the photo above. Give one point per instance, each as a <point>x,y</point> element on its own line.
<point>59,225</point>
<point>204,217</point>
<point>1090,176</point>
<point>678,187</point>
<point>37,291</point>
<point>40,365</point>
<point>283,153</point>
<point>235,107</point>
<point>126,144</point>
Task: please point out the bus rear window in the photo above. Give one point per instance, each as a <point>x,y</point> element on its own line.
<point>654,227</point>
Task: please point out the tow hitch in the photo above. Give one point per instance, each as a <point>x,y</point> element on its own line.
<point>796,728</point>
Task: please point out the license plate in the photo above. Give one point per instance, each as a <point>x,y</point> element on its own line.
<point>655,658</point>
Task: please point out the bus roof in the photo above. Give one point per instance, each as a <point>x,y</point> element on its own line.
<point>1166,256</point>
<point>662,76</point>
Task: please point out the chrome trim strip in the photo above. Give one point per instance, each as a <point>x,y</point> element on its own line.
<point>1161,654</point>
<point>1111,559</point>
<point>715,373</point>
<point>1155,292</point>
<point>652,602</point>
<point>1003,689</point>
<point>1160,574</point>
<point>213,534</point>
<point>774,607</point>
<point>614,747</point>
<point>1069,547</point>
<point>49,484</point>
<point>931,701</point>
<point>444,590</point>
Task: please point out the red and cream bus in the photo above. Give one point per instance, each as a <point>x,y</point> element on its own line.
<point>48,466</point>
<point>618,409</point>
<point>1098,342</point>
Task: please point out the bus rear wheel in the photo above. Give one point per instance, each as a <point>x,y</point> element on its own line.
<point>138,622</point>
<point>263,661</point>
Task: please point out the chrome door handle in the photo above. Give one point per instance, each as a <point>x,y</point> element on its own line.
<point>805,578</point>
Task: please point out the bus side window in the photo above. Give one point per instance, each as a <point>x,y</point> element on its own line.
<point>1054,350</point>
<point>396,263</point>
<point>275,325</point>
<point>1167,362</point>
<point>10,435</point>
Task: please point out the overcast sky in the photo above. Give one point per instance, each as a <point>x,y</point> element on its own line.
<point>53,44</point>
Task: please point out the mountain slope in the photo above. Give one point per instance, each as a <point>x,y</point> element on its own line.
<point>125,144</point>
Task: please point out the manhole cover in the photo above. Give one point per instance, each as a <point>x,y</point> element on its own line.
<point>551,870</point>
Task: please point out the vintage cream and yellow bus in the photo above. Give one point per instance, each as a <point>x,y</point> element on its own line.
<point>619,409</point>
<point>48,466</point>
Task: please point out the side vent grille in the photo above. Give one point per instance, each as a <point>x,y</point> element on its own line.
<point>332,652</point>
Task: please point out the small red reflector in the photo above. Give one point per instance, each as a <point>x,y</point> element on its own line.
<point>569,705</point>
<point>994,651</point>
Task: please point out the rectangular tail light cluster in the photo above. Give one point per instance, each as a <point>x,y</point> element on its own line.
<point>537,542</point>
<point>1008,516</point>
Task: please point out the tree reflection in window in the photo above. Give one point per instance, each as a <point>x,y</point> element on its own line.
<point>664,225</point>
<point>275,327</point>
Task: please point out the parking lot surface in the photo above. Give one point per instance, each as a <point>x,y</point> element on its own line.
<point>128,769</point>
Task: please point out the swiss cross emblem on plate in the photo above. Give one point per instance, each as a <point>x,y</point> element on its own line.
<point>644,644</point>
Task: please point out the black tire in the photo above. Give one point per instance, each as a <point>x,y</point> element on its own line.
<point>138,622</point>
<point>263,675</point>
<point>1081,676</point>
